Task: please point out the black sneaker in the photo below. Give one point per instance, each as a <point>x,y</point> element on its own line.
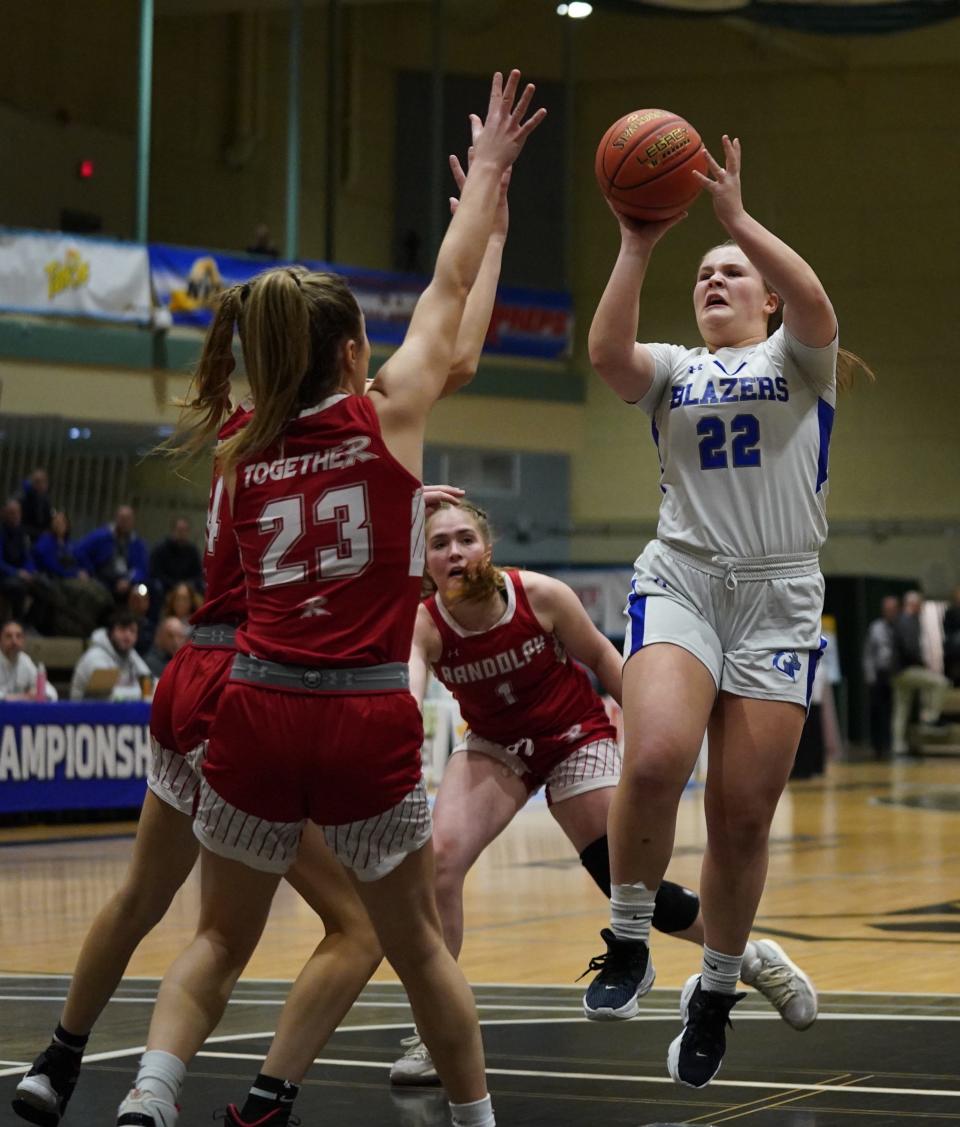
<point>43,1094</point>
<point>626,974</point>
<point>694,1058</point>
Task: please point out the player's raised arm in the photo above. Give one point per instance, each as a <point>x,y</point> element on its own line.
<point>414,377</point>
<point>623,364</point>
<point>807,311</point>
<point>478,310</point>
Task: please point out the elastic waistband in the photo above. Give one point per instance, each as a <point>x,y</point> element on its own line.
<point>216,634</point>
<point>736,569</point>
<point>389,678</point>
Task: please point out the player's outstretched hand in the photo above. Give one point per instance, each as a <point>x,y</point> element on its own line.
<point>724,183</point>
<point>500,137</point>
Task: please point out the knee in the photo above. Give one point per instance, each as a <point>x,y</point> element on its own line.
<point>654,772</point>
<point>411,952</point>
<point>231,943</point>
<point>740,830</point>
<point>355,928</point>
<point>450,869</point>
<point>141,906</point>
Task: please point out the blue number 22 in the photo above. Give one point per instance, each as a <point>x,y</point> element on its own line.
<point>745,445</point>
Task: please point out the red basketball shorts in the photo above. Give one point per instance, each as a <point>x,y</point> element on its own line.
<point>187,696</point>
<point>183,708</point>
<point>332,758</point>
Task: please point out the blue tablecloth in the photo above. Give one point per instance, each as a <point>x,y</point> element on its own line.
<point>83,755</point>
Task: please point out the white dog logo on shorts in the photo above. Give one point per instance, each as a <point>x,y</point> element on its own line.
<point>788,663</point>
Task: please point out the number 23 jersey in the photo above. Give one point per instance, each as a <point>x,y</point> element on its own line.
<point>330,528</point>
<point>515,681</point>
<point>743,436</point>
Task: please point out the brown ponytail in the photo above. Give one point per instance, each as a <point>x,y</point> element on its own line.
<point>207,403</point>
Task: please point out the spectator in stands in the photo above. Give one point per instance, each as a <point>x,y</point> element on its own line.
<point>138,604</point>
<point>879,665</point>
<point>35,502</point>
<point>951,639</point>
<point>263,242</point>
<point>18,575</point>
<point>176,559</point>
<point>913,675</point>
<point>18,674</point>
<point>112,648</point>
<point>181,602</point>
<point>169,637</point>
<point>116,555</point>
<point>77,604</point>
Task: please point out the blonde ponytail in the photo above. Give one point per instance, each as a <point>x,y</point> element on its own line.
<point>849,365</point>
<point>292,327</point>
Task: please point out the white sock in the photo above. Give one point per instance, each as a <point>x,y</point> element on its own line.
<point>161,1074</point>
<point>631,911</point>
<point>720,972</point>
<point>476,1114</point>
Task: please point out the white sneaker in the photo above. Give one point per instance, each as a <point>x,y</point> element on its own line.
<point>416,1065</point>
<point>782,983</point>
<point>143,1109</point>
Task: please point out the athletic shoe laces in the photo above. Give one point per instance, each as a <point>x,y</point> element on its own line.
<point>708,1015</point>
<point>621,957</point>
<point>776,982</point>
<point>414,1047</point>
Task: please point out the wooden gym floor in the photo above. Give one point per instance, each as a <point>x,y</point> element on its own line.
<point>862,892</point>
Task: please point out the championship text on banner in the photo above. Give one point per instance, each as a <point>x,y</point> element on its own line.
<point>67,276</point>
<point>531,323</point>
<point>79,756</point>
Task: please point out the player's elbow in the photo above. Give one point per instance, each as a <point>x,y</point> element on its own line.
<point>462,371</point>
<point>607,358</point>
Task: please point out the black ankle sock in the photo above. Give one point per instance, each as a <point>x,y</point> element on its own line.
<point>71,1040</point>
<point>267,1094</point>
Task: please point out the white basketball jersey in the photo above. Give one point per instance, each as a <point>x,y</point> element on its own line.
<point>743,436</point>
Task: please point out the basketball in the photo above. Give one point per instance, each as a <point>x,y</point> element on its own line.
<point>645,163</point>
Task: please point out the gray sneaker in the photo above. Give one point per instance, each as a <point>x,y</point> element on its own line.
<point>782,983</point>
<point>416,1065</point>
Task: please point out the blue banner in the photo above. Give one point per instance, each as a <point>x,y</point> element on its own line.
<point>531,323</point>
<point>83,755</point>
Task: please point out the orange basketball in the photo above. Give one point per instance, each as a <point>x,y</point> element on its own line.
<point>645,164</point>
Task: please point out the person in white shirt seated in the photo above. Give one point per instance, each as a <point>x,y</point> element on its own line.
<point>18,674</point>
<point>113,648</point>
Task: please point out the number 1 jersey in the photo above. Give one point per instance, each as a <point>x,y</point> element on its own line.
<point>515,680</point>
<point>330,528</point>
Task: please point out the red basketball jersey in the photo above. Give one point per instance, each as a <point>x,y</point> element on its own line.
<point>226,593</point>
<point>515,681</point>
<point>330,528</point>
